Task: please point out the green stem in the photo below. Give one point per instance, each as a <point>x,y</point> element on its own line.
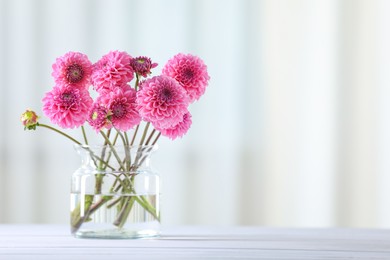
<point>140,144</point>
<point>84,135</point>
<point>109,154</point>
<point>60,132</point>
<point>126,205</point>
<point>77,220</point>
<point>115,138</point>
<point>136,82</point>
<point>146,205</point>
<point>103,153</point>
<point>149,149</point>
<point>93,156</point>
<point>144,134</point>
<point>98,183</point>
<point>150,137</point>
<point>157,137</point>
<point>127,139</point>
<point>112,203</point>
<point>113,149</point>
<point>134,135</point>
<point>99,203</point>
<point>127,153</point>
<point>124,213</point>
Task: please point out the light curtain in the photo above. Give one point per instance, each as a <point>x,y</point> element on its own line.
<point>292,131</point>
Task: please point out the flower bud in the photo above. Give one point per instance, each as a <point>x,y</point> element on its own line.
<point>29,120</point>
<point>142,65</point>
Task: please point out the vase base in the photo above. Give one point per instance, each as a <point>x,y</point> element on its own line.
<point>116,234</point>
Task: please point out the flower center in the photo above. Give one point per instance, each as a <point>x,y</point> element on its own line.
<point>74,73</point>
<point>68,99</point>
<point>118,110</point>
<point>95,115</point>
<point>188,74</point>
<point>165,94</point>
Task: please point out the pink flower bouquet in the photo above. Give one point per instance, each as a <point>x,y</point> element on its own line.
<point>128,101</point>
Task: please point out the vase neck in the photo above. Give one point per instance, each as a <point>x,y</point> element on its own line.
<point>115,158</point>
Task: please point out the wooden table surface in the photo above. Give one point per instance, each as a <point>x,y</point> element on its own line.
<point>191,242</point>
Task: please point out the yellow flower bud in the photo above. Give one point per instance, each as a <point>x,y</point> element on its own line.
<point>29,120</point>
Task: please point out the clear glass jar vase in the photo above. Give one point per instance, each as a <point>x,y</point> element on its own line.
<point>115,193</point>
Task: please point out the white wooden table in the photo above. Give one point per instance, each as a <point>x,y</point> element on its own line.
<point>54,242</point>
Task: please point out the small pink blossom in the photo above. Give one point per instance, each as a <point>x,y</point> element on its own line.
<point>142,65</point>
<point>112,70</point>
<point>190,71</point>
<point>162,101</point>
<point>99,117</point>
<point>72,69</point>
<point>67,106</point>
<point>178,130</point>
<point>122,106</point>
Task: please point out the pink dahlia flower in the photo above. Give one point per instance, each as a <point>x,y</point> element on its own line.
<point>72,69</point>
<point>122,106</point>
<point>67,106</point>
<point>162,101</point>
<point>190,72</point>
<point>112,70</point>
<point>142,65</point>
<point>178,130</point>
<point>99,116</point>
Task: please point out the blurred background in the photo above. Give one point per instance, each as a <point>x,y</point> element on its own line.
<point>293,130</point>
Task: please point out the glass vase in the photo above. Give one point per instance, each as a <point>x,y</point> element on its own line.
<point>115,193</point>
